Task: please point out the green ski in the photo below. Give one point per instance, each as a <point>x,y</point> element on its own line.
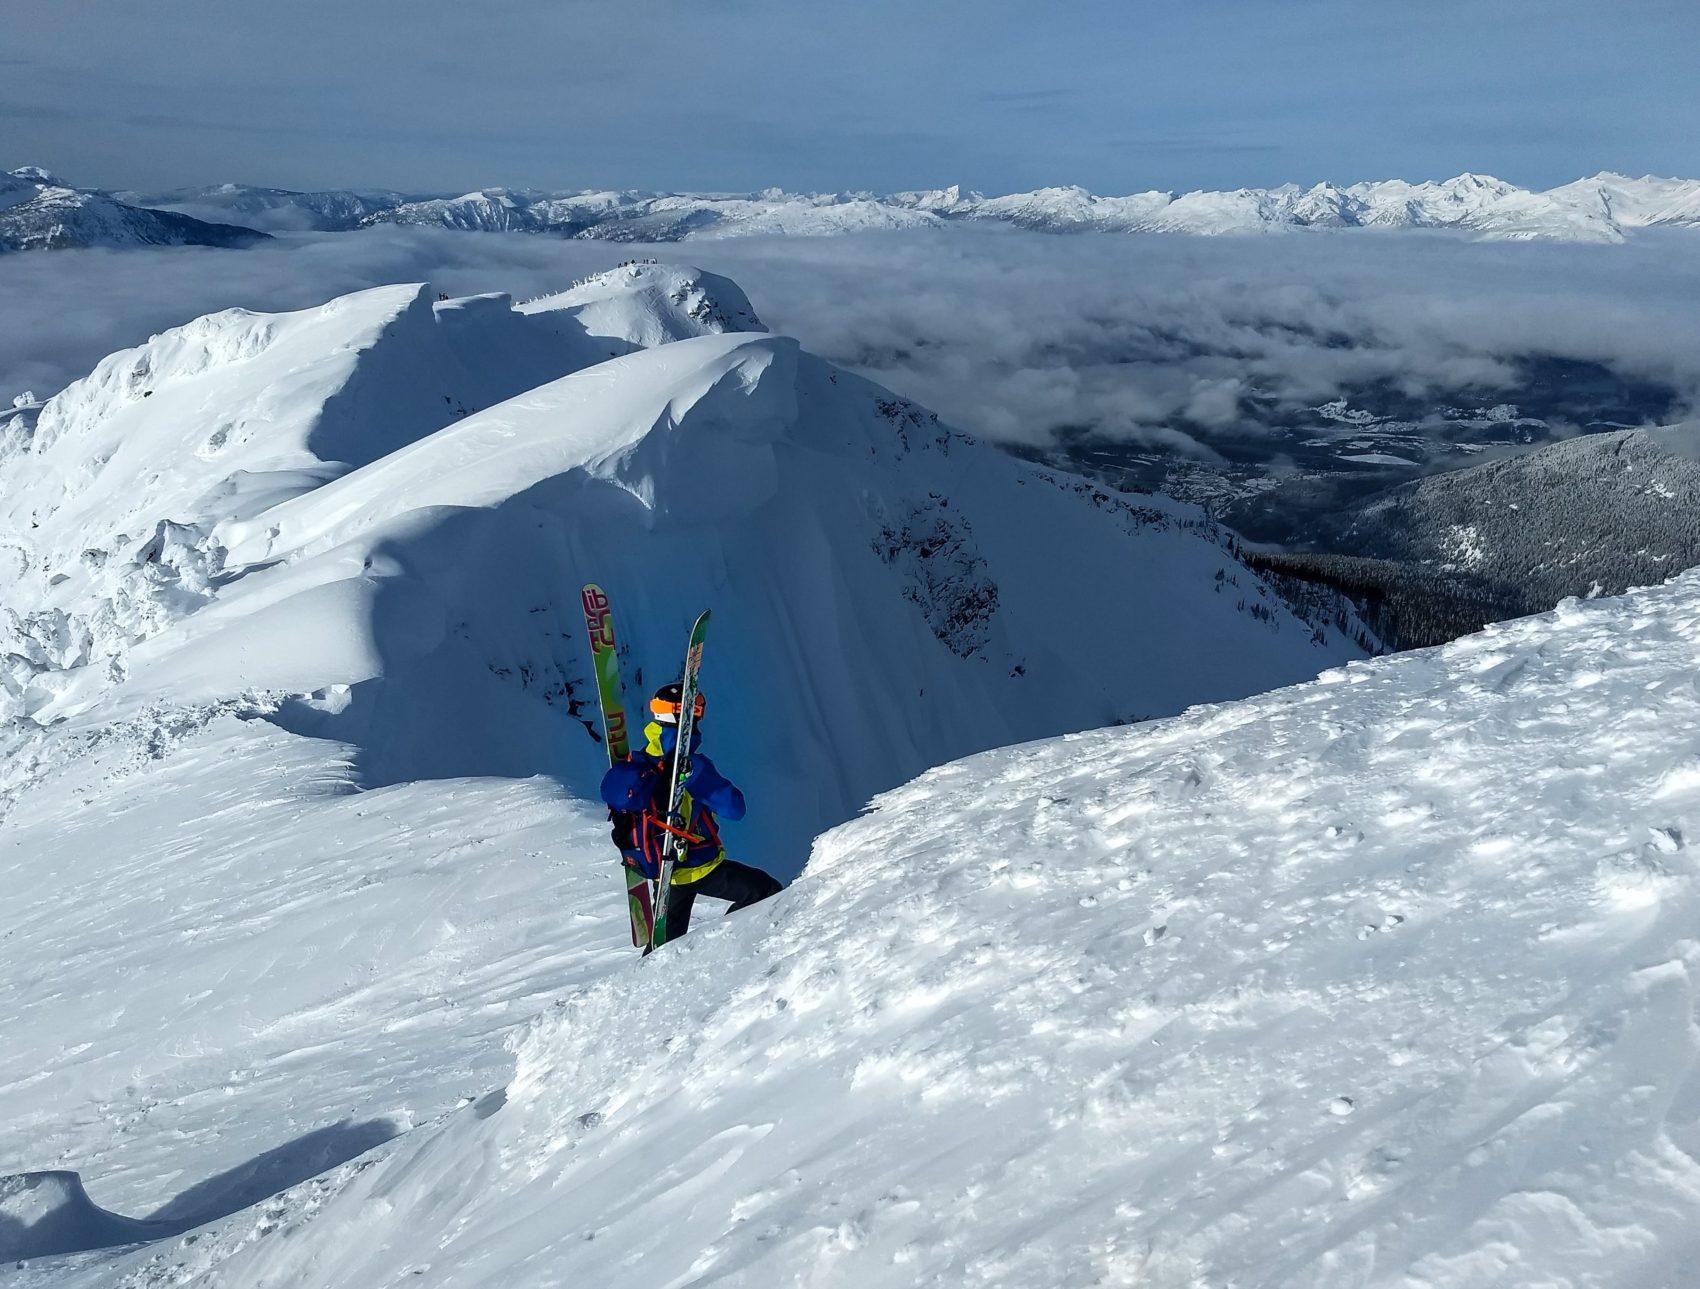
<point>675,846</point>
<point>599,625</point>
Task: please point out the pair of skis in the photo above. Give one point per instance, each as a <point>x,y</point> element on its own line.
<point>646,899</point>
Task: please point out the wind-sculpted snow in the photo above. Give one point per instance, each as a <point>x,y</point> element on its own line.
<point>1385,980</point>
<point>112,488</point>
<point>47,1213</point>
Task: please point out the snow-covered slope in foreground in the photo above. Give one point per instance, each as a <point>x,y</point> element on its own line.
<point>1384,980</point>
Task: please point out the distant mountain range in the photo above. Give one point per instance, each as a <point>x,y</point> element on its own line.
<point>41,212</point>
<point>1604,208</point>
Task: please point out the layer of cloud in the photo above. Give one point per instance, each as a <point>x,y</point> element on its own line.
<point>1015,336</point>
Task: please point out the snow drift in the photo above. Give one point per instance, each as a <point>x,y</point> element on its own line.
<point>48,1213</point>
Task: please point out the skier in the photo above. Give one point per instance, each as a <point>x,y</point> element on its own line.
<point>636,791</point>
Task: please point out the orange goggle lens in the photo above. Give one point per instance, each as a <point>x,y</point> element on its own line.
<point>670,710</point>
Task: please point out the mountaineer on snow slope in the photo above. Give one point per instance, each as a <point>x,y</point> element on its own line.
<point>636,790</point>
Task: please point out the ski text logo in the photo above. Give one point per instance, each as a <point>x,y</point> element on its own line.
<point>598,619</point>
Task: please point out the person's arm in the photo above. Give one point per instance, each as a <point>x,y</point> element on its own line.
<point>629,787</point>
<point>713,791</point>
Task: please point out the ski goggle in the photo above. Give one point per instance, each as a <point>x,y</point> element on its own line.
<point>667,711</point>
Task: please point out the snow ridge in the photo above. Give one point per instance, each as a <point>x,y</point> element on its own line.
<point>114,487</point>
<point>341,498</point>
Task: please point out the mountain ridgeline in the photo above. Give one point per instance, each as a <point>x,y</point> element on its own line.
<point>1605,208</point>
<point>381,510</point>
<point>41,212</point>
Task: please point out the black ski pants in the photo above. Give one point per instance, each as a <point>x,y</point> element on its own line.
<point>739,884</point>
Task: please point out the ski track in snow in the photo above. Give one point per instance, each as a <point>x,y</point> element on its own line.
<point>1383,980</point>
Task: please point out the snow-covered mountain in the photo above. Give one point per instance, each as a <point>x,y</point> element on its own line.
<point>1387,979</point>
<point>39,212</point>
<point>289,614</point>
<point>389,503</point>
<point>275,210</point>
<point>1601,209</point>
<point>1593,514</point>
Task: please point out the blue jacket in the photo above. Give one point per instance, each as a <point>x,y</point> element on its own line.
<point>637,787</point>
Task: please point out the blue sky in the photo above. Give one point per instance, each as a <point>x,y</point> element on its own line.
<point>1116,95</point>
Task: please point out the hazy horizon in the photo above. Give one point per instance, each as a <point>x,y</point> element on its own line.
<point>884,96</point>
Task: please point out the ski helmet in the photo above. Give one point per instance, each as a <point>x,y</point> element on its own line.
<point>670,699</point>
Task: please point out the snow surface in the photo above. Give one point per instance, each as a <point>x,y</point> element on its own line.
<point>299,731</point>
<point>1383,980</point>
<point>227,969</point>
<point>1604,208</point>
<point>314,966</point>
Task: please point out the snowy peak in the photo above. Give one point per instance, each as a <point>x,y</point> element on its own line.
<point>115,486</point>
<point>39,212</point>
<point>646,303</point>
<point>1472,203</point>
<point>390,493</point>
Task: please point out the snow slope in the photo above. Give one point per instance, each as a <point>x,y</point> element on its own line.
<point>227,969</point>
<point>299,734</point>
<point>111,498</point>
<point>340,516</point>
<point>39,212</point>
<point>1384,980</point>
